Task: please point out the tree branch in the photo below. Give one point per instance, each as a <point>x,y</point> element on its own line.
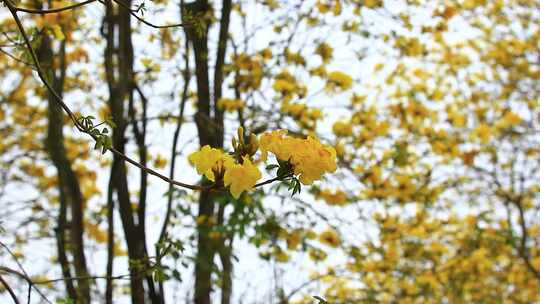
<point>50,11</point>
<point>72,116</point>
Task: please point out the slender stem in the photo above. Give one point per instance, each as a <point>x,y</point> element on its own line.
<point>277,178</point>
<point>78,125</point>
<point>110,241</point>
<point>133,13</point>
<point>45,282</point>
<point>8,288</point>
<point>51,11</point>
<point>23,274</point>
<point>72,116</point>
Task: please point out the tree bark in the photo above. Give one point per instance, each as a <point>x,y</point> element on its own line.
<point>199,41</point>
<point>117,31</point>
<point>225,250</point>
<point>110,242</point>
<point>69,188</point>
<point>209,121</point>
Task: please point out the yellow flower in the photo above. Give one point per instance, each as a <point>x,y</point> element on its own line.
<point>215,235</point>
<point>280,255</point>
<point>266,54</point>
<point>325,51</point>
<point>405,188</point>
<point>270,141</point>
<point>509,119</point>
<point>337,197</point>
<point>319,71</point>
<point>338,81</point>
<point>294,58</point>
<point>310,158</point>
<point>287,85</point>
<point>230,105</point>
<point>313,160</point>
<point>208,160</point>
<point>373,3</point>
<point>482,132</point>
<point>330,237</point>
<point>342,128</point>
<point>293,240</point>
<point>241,177</point>
<point>317,255</point>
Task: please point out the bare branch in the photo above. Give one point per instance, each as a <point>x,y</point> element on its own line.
<point>74,119</point>
<point>50,11</point>
<point>133,13</point>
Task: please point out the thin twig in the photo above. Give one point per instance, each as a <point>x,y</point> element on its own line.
<point>133,13</point>
<point>16,59</point>
<point>82,129</point>
<point>8,288</point>
<point>45,282</point>
<point>277,178</point>
<point>72,116</point>
<point>51,11</point>
<point>24,275</point>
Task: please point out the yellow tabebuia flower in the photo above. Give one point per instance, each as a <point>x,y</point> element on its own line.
<point>337,197</point>
<point>230,104</point>
<point>342,128</point>
<point>313,160</point>
<point>317,255</point>
<point>325,51</point>
<point>209,160</point>
<point>241,177</point>
<point>482,132</point>
<point>338,82</point>
<point>510,119</point>
<point>280,255</point>
<point>309,158</point>
<point>293,239</point>
<point>270,141</point>
<point>330,237</point>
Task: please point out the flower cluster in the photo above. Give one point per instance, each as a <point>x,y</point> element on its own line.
<point>248,72</point>
<point>305,116</point>
<point>288,86</point>
<point>230,105</point>
<point>218,166</point>
<point>338,82</point>
<point>333,198</point>
<point>342,128</point>
<point>308,159</point>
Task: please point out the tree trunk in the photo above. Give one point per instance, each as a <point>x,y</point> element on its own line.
<point>117,31</point>
<point>69,188</point>
<point>209,121</point>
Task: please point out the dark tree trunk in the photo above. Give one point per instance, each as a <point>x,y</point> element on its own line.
<point>209,121</point>
<point>69,188</point>
<point>121,81</point>
<point>119,61</point>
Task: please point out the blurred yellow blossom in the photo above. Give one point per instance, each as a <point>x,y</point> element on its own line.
<point>330,237</point>
<point>338,81</point>
<point>230,104</point>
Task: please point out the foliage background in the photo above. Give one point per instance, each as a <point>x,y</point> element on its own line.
<point>432,108</point>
